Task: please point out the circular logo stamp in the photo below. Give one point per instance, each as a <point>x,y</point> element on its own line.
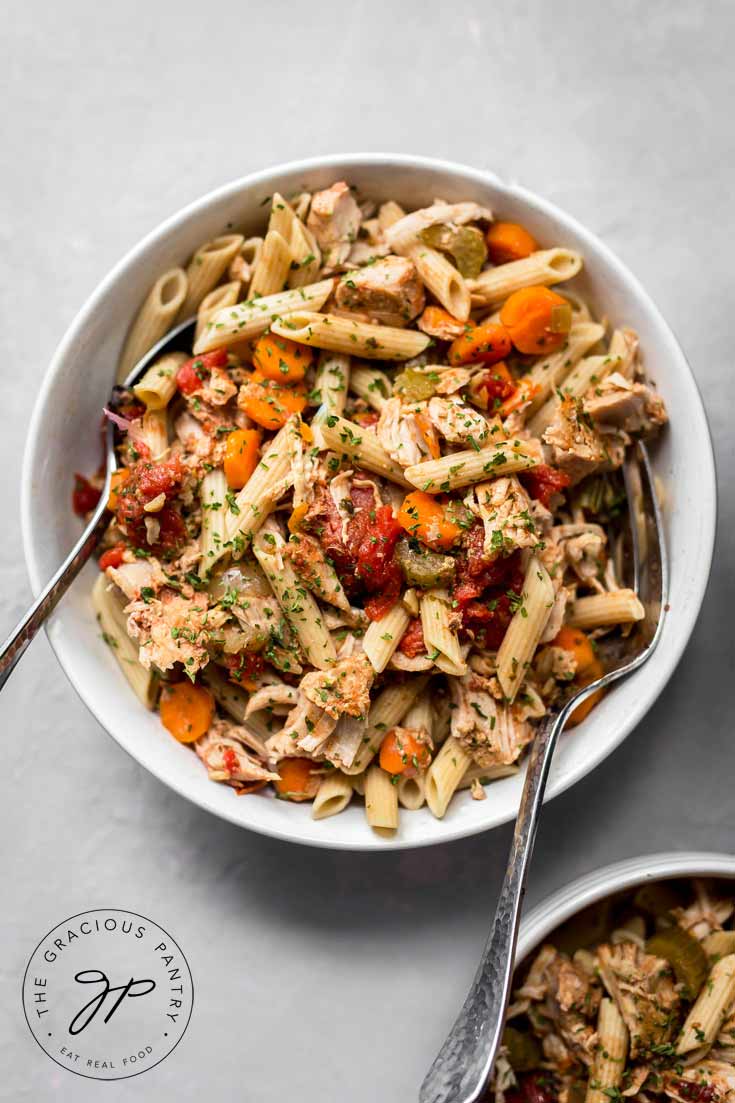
<point>107,994</point>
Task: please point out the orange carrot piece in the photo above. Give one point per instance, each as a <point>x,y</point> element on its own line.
<point>282,360</point>
<point>423,517</point>
<point>186,711</point>
<point>529,317</point>
<point>508,241</point>
<point>400,752</point>
<point>117,478</point>
<point>241,456</point>
<point>486,343</point>
<point>589,668</point>
<point>525,390</point>
<point>297,782</point>
<point>269,404</point>
<point>438,322</point>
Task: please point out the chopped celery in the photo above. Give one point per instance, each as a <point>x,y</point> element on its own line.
<point>425,569</point>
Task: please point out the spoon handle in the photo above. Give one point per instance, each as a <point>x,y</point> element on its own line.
<point>463,1065</point>
<point>17,642</point>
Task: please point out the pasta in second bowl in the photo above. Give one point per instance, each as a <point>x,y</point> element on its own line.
<point>292,262</point>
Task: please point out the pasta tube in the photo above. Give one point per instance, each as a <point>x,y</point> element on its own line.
<point>265,486</point>
<point>274,263</point>
<point>444,281</point>
<point>113,623</point>
<point>206,268</point>
<point>607,1071</point>
<point>465,468</point>
<point>548,374</point>
<point>381,801</point>
<point>225,295</point>
<point>441,639</point>
<point>372,385</point>
<point>703,1022</point>
<point>330,331</point>
<point>384,635</point>
<point>212,494</point>
<point>547,266</point>
<point>589,370</point>
<point>412,791</point>
<point>332,381</point>
<point>155,431</point>
<point>249,319</point>
<point>387,710</point>
<point>526,628</point>
<point>298,605</point>
<point>602,610</point>
<point>361,446</point>
<point>154,319</point>
<point>335,793</point>
<point>158,385</point>
<point>444,775</point>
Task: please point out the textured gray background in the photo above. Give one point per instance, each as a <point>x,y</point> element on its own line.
<point>327,976</point>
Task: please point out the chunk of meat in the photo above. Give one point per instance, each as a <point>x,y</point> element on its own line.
<point>344,743</point>
<point>306,729</point>
<point>453,380</point>
<point>505,511</point>
<point>568,1000</point>
<point>388,291</point>
<point>406,434</point>
<point>143,576</point>
<point>310,563</point>
<point>705,1082</point>
<point>584,549</point>
<point>483,724</point>
<point>343,689</point>
<point>622,404</point>
<point>458,422</point>
<point>404,232</point>
<point>223,753</point>
<point>577,449</point>
<point>643,987</point>
<point>707,913</point>
<point>334,219</point>
<point>276,698</point>
<point>174,629</point>
<point>555,662</point>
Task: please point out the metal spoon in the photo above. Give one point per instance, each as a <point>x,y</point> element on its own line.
<point>463,1066</point>
<point>18,640</point>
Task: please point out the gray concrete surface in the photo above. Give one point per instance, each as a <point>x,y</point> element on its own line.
<point>328,976</point>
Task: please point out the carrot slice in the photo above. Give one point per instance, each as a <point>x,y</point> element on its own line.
<point>438,322</point>
<point>535,318</point>
<point>268,403</point>
<point>423,517</point>
<point>589,668</point>
<point>282,360</point>
<point>186,711</point>
<point>241,456</point>
<point>400,751</point>
<point>118,477</point>
<point>508,241</point>
<point>297,782</point>
<point>486,344</point>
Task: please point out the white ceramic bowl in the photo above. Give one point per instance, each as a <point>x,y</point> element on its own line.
<point>63,438</point>
<point>593,887</point>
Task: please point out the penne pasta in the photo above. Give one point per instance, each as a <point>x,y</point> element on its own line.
<point>602,610</point>
<point>306,256</point>
<point>386,712</point>
<point>298,605</point>
<point>384,635</point>
<point>263,489</point>
<point>703,1022</point>
<point>206,268</point>
<point>212,494</point>
<point>155,432</point>
<point>113,623</point>
<point>444,775</point>
<point>546,267</point>
<point>444,281</point>
<point>587,372</point>
<point>158,385</point>
<point>381,801</point>
<point>330,331</point>
<point>411,792</point>
<point>442,642</point>
<point>332,381</point>
<point>606,1074</point>
<point>486,774</point>
<point>466,468</point>
<point>232,325</point>
<point>335,793</point>
<point>526,628</point>
<point>549,373</point>
<point>361,447</point>
<point>274,263</point>
<point>372,385</point>
<point>155,318</point>
<point>225,295</point>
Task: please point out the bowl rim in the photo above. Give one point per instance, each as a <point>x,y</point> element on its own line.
<point>616,877</point>
<point>347,162</point>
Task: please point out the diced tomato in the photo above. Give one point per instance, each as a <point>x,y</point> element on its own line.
<point>229,759</point>
<point>192,375</point>
<point>412,641</point>
<point>362,497</point>
<point>84,497</point>
<point>532,1089</point>
<point>482,587</point>
<point>145,482</point>
<point>376,607</point>
<point>244,667</point>
<point>499,385</point>
<point>372,535</point>
<point>366,418</point>
<point>543,482</point>
<point>113,557</point>
<point>696,1093</point>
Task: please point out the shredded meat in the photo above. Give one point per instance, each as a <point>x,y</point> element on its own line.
<point>407,435</point>
<point>576,448</point>
<point>174,629</point>
<point>310,563</point>
<point>484,725</point>
<point>334,219</point>
<point>642,986</point>
<point>222,750</point>
<point>458,422</point>
<point>388,291</point>
<point>621,404</point>
<point>133,578</point>
<point>505,510</point>
<point>705,1082</point>
<point>344,688</point>
<point>568,1000</point>
<point>584,549</point>
<point>707,913</point>
<point>307,727</point>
